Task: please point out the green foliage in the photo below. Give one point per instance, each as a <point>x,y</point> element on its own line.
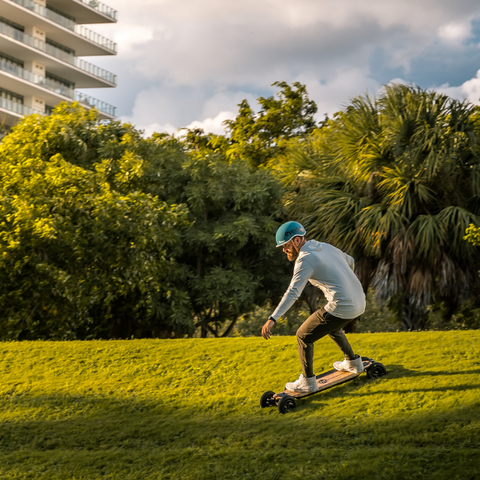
<point>394,181</point>
<point>110,234</point>
<point>473,235</point>
<point>228,246</point>
<point>189,409</point>
<point>260,137</point>
<point>79,258</point>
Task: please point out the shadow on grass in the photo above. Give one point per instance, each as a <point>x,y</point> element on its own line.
<point>397,371</point>
<point>102,437</point>
<point>356,386</point>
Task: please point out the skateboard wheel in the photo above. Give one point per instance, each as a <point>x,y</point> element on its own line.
<point>267,399</point>
<point>376,370</point>
<point>286,404</point>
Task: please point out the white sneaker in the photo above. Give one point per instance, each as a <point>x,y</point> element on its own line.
<point>303,384</point>
<point>352,366</point>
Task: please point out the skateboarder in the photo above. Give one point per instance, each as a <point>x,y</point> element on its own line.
<point>331,270</point>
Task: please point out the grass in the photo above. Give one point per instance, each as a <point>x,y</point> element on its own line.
<point>189,409</point>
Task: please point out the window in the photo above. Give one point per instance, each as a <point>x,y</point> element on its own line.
<point>13,97</point>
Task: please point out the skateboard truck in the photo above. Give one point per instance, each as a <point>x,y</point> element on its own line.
<point>287,400</point>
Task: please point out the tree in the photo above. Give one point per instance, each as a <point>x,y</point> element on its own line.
<point>473,234</point>
<point>395,182</point>
<point>79,258</point>
<point>228,247</point>
<point>111,234</point>
<point>260,137</point>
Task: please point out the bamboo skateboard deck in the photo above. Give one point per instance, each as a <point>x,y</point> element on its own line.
<point>286,399</point>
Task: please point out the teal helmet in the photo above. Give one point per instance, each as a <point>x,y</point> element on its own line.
<point>289,230</point>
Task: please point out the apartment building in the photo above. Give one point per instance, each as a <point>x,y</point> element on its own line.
<point>41,42</point>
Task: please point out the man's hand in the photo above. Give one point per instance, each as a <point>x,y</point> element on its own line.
<point>267,329</point>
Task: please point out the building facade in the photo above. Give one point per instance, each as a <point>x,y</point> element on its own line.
<point>41,42</point>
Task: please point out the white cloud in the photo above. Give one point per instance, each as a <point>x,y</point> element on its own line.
<point>151,128</point>
<point>472,89</point>
<point>133,37</point>
<point>226,101</point>
<point>230,42</point>
<point>213,125</point>
<point>333,94</point>
<point>469,90</point>
<point>455,31</point>
<point>188,62</point>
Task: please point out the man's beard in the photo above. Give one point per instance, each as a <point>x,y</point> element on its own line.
<point>292,256</point>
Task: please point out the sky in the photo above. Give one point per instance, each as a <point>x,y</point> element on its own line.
<point>189,63</point>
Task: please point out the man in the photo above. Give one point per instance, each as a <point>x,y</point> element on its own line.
<point>331,270</point>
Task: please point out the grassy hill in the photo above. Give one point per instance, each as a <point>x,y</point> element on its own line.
<point>189,409</point>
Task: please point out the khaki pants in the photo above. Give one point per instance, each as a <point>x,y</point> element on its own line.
<point>316,326</point>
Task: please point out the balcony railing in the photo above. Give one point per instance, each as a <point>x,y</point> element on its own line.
<point>52,85</point>
<point>57,53</point>
<point>56,87</point>
<point>95,103</point>
<point>102,8</point>
<point>17,107</point>
<point>67,23</point>
<point>96,38</point>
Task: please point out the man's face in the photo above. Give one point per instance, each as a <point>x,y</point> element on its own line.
<point>289,249</point>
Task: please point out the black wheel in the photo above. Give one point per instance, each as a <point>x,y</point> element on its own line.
<point>267,399</point>
<point>286,404</point>
<point>376,370</point>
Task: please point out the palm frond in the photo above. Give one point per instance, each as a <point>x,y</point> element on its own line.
<point>405,193</point>
<point>429,235</point>
<point>377,224</point>
<point>454,220</point>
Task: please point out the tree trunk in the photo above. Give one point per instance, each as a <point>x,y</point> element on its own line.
<point>228,331</point>
<point>212,331</point>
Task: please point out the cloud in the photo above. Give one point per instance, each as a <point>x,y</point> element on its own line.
<point>333,94</point>
<point>255,51</point>
<point>167,105</point>
<point>455,31</point>
<point>213,125</point>
<point>472,89</point>
<point>469,90</point>
<point>227,42</point>
<point>190,61</point>
<point>225,100</point>
<point>149,130</point>
<point>185,107</point>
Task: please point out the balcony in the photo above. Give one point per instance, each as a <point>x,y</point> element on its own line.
<point>91,102</point>
<point>60,55</point>
<point>55,87</point>
<point>17,109</point>
<point>86,11</point>
<point>82,46</point>
<point>101,7</point>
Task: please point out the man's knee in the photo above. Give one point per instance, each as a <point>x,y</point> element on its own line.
<point>301,335</point>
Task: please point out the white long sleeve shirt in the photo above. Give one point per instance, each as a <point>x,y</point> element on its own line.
<point>331,270</point>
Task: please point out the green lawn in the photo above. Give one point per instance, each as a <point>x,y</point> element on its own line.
<point>169,409</point>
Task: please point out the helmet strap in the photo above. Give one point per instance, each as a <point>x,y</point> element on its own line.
<point>295,246</point>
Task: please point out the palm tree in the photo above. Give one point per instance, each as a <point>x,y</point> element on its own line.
<point>395,181</point>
